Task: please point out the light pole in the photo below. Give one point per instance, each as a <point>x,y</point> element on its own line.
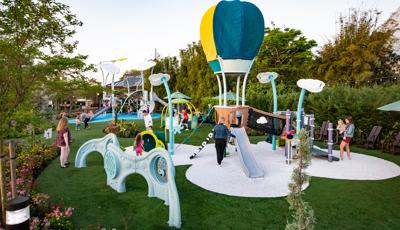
<point>98,100</point>
<point>110,68</point>
<point>310,85</point>
<point>142,67</point>
<point>156,80</point>
<point>265,78</point>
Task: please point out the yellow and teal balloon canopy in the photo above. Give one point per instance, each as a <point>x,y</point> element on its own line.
<point>232,31</point>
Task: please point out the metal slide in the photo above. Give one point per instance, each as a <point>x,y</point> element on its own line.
<point>242,142</point>
<point>318,152</point>
<point>157,99</point>
<point>102,110</point>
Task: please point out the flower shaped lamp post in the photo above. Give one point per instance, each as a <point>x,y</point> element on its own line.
<point>142,67</point>
<point>157,80</point>
<point>310,85</point>
<point>112,69</point>
<point>265,78</point>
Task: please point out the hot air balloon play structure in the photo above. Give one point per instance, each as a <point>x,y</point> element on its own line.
<point>231,34</point>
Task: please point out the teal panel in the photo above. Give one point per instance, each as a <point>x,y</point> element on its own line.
<point>238,30</point>
<point>215,66</point>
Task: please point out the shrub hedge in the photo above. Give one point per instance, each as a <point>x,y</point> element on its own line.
<point>335,102</point>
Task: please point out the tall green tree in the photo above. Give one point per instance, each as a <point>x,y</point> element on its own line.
<point>67,89</point>
<point>36,46</point>
<point>285,51</point>
<point>361,52</point>
<point>168,65</point>
<point>195,77</point>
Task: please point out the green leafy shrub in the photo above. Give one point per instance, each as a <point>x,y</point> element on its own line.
<point>26,123</point>
<point>388,138</point>
<point>333,103</point>
<point>122,128</point>
<point>31,159</point>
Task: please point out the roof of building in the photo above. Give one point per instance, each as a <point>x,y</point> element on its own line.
<point>128,81</point>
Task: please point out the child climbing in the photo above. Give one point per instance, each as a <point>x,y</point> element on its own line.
<point>138,145</point>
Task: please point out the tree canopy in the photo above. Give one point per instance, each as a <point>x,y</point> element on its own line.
<point>285,51</point>
<point>360,53</point>
<point>36,46</point>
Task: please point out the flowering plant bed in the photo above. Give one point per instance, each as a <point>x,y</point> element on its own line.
<point>122,128</point>
<point>32,159</point>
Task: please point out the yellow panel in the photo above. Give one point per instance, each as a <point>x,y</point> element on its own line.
<point>207,34</point>
<point>160,144</point>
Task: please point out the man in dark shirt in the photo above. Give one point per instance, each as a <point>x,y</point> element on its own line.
<point>220,135</point>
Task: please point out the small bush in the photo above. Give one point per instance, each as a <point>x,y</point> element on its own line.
<point>333,103</point>
<point>122,128</point>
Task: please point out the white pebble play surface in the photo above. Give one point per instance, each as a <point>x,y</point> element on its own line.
<point>231,180</point>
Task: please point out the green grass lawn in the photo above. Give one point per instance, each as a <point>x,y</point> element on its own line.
<point>338,204</point>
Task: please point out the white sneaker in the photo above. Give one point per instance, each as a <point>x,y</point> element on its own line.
<point>219,165</point>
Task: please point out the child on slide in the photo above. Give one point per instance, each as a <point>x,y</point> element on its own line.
<point>138,145</point>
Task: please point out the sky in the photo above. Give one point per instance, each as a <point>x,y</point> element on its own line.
<point>135,28</point>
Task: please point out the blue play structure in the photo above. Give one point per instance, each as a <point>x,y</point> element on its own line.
<point>121,116</point>
<point>155,166</point>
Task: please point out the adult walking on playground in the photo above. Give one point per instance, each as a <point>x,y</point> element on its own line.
<point>85,119</point>
<point>220,135</point>
<point>348,135</point>
<point>63,140</point>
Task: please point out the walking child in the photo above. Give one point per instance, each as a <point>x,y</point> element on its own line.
<point>78,122</point>
<point>139,145</point>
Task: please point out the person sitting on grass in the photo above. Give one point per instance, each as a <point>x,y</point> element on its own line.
<point>138,145</point>
<point>348,135</point>
<point>78,122</point>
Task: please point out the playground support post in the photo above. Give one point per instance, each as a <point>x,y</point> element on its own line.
<point>299,106</point>
<point>223,80</point>
<point>112,99</point>
<point>244,84</point>
<point>237,90</point>
<point>142,76</point>
<point>104,82</point>
<point>330,141</point>
<point>171,124</point>
<point>312,127</point>
<point>3,191</point>
<point>219,90</point>
<point>12,170</point>
<point>271,78</point>
<point>287,127</point>
<point>225,90</point>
